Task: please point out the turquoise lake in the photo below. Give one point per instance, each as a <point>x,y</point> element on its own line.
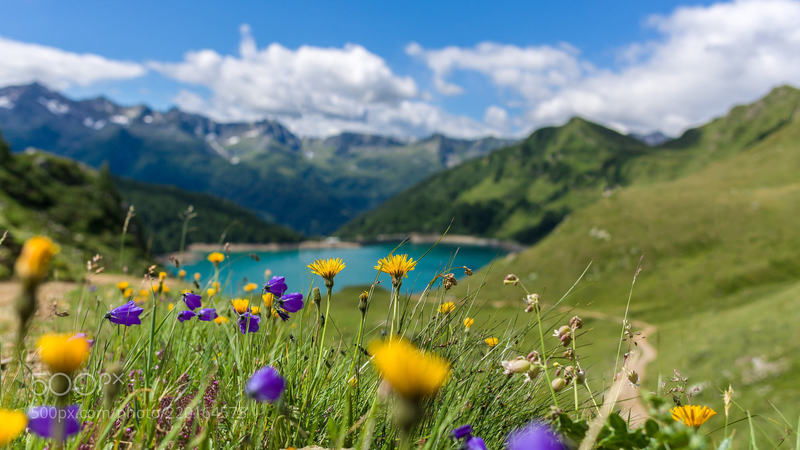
<point>360,261</point>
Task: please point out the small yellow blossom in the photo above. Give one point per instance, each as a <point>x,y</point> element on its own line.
<point>165,289</point>
<point>63,353</point>
<point>268,299</point>
<point>211,292</point>
<point>34,261</point>
<point>250,287</point>
<point>123,286</point>
<point>128,293</point>
<point>409,371</point>
<point>216,258</point>
<point>162,276</point>
<point>491,341</point>
<point>181,274</point>
<point>144,293</point>
<point>12,424</point>
<point>197,276</point>
<point>255,310</point>
<point>170,306</point>
<point>397,266</point>
<point>240,305</point>
<point>468,322</point>
<point>215,285</point>
<point>446,308</point>
<point>220,320</point>
<point>692,415</point>
<point>327,268</point>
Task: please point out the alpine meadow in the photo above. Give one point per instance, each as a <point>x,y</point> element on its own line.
<point>400,226</point>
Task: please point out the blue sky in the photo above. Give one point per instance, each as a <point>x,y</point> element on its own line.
<point>411,68</point>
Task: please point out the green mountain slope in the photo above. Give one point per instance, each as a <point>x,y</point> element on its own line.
<point>160,210</point>
<point>77,207</point>
<point>520,192</point>
<point>721,264</point>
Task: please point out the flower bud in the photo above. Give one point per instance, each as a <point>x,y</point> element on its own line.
<point>580,376</point>
<point>511,279</point>
<point>566,340</point>
<point>533,356</point>
<point>362,301</point>
<point>558,384</point>
<point>575,323</point>
<point>568,354</point>
<point>518,365</point>
<point>449,281</point>
<point>316,297</point>
<point>467,271</point>
<point>564,329</point>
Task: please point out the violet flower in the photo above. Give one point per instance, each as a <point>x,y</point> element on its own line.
<point>45,420</point>
<point>127,314</point>
<point>192,300</point>
<point>248,323</point>
<point>183,316</point>
<point>535,435</point>
<point>207,314</point>
<point>470,442</point>
<point>291,302</point>
<point>464,431</point>
<point>276,286</point>
<point>266,385</point>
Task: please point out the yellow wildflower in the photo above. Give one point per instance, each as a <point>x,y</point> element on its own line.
<point>397,266</point>
<point>240,305</point>
<point>181,274</point>
<point>446,308</point>
<point>34,261</point>
<point>170,306</point>
<point>63,353</point>
<point>128,293</point>
<point>220,320</point>
<point>123,286</point>
<point>411,372</point>
<point>211,292</point>
<point>491,341</point>
<point>692,415</point>
<point>255,310</point>
<point>197,276</point>
<point>165,289</point>
<point>327,268</point>
<point>468,322</point>
<point>268,299</point>
<point>215,285</point>
<point>216,258</point>
<point>144,293</point>
<point>162,276</point>
<point>250,287</point>
<point>12,424</point>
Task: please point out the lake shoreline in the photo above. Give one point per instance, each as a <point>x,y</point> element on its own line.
<point>195,251</point>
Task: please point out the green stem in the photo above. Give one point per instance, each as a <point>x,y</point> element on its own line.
<point>544,356</point>
<point>395,299</point>
<point>325,327</point>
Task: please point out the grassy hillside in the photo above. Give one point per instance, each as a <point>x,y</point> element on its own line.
<point>520,192</point>
<point>75,206</point>
<point>161,210</point>
<point>721,267</point>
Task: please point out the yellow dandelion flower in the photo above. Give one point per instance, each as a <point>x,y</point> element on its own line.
<point>123,286</point>
<point>446,308</point>
<point>268,299</point>
<point>215,285</point>
<point>220,320</point>
<point>327,268</point>
<point>255,310</point>
<point>692,415</point>
<point>197,276</point>
<point>12,424</point>
<point>468,322</point>
<point>170,306</point>
<point>240,305</point>
<point>216,258</point>
<point>411,372</point>
<point>181,274</point>
<point>250,287</point>
<point>165,289</point>
<point>162,276</point>
<point>128,293</point>
<point>211,292</point>
<point>63,353</point>
<point>34,261</point>
<point>144,293</point>
<point>491,341</point>
<point>397,266</point>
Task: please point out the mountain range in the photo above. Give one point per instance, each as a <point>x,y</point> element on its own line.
<point>313,185</point>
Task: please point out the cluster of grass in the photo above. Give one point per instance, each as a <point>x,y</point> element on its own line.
<point>77,206</point>
<point>183,383</point>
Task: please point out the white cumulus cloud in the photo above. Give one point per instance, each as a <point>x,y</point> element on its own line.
<point>22,62</point>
